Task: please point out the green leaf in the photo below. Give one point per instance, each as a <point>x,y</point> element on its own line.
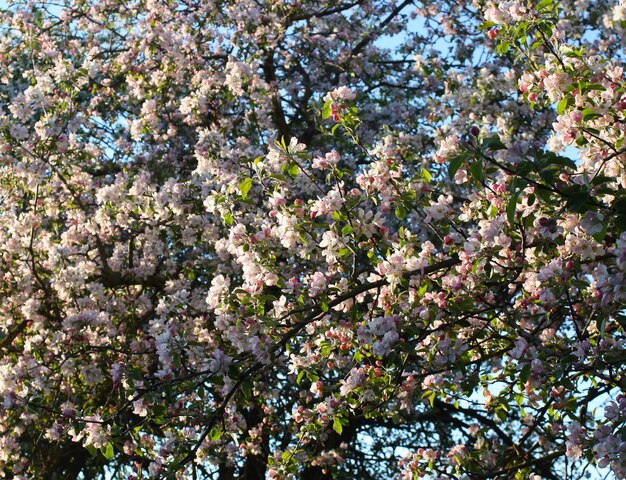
<point>278,177</point>
<point>577,198</point>
<point>544,4</point>
<point>546,28</point>
<point>503,48</point>
<point>547,176</point>
<point>293,170</point>
<point>244,187</point>
<point>346,230</point>
<point>401,212</point>
<point>523,168</point>
<point>476,169</point>
<point>518,184</point>
<point>215,434</point>
<point>324,307</point>
<point>554,159</point>
<point>524,374</point>
<point>590,114</point>
<point>578,202</point>
<point>107,451</point>
<point>572,53</point>
<point>494,143</point>
<point>326,110</point>
<point>337,426</point>
<point>246,389</point>
<point>601,325</point>
<point>510,209</point>
<point>586,87</point>
<point>599,179</point>
<point>544,194</point>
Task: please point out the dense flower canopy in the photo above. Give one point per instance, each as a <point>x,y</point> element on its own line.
<point>296,239</point>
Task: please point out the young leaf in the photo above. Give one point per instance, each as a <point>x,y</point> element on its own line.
<point>326,110</point>
<point>107,451</point>
<point>337,426</point>
<point>244,187</point>
<point>401,212</point>
<point>590,114</point>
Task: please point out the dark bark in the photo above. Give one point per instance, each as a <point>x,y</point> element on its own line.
<point>68,460</point>
<point>278,114</point>
<point>255,465</point>
<point>348,434</point>
<point>226,472</point>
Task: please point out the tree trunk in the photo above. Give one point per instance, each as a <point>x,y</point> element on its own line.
<point>255,465</point>
<point>332,442</point>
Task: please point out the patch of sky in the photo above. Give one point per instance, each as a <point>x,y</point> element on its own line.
<point>414,26</point>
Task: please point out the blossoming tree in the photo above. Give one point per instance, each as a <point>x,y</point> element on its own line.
<point>252,240</point>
